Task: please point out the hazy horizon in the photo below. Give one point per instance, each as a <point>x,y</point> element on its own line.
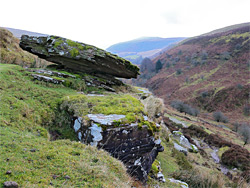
<point>104,23</point>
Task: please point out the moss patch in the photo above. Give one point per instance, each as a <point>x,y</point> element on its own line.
<point>110,104</point>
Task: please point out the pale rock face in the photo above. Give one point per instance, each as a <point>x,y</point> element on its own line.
<point>180,148</point>
<point>181,183</point>
<point>105,119</point>
<point>77,124</point>
<point>184,141</point>
<point>96,133</point>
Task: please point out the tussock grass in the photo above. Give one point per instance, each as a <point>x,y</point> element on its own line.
<point>153,106</point>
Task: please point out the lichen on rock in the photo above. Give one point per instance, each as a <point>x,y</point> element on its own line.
<point>78,57</point>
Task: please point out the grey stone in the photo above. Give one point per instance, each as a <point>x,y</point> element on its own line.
<point>135,147</point>
<point>178,121</point>
<point>77,124</point>
<point>10,184</point>
<point>96,133</point>
<point>181,183</point>
<point>78,57</point>
<point>8,172</point>
<point>105,119</point>
<point>180,148</point>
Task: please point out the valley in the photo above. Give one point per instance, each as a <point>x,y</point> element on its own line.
<point>71,118</point>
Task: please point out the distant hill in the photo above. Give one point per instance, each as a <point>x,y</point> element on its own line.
<point>210,71</point>
<point>137,49</point>
<point>19,32</point>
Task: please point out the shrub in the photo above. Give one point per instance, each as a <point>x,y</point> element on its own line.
<point>177,59</point>
<point>244,130</point>
<point>236,126</point>
<point>225,56</point>
<point>195,62</point>
<point>168,65</point>
<point>239,86</point>
<point>178,72</point>
<point>182,107</point>
<point>194,55</point>
<point>217,141</point>
<point>236,156</point>
<point>194,130</point>
<point>204,55</point>
<point>187,59</point>
<point>204,94</point>
<point>147,65</point>
<point>220,117</point>
<point>237,46</point>
<point>158,66</point>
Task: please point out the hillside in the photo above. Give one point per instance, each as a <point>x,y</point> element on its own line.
<point>210,72</point>
<point>11,53</point>
<point>67,127</point>
<point>137,49</point>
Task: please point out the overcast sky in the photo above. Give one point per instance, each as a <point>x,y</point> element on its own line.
<point>106,22</point>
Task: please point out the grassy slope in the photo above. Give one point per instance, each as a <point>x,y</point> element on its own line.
<point>27,109</point>
<point>11,53</point>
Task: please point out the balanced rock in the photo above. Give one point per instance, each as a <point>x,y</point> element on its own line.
<point>78,57</point>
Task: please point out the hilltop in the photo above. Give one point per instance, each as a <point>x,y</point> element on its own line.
<point>210,72</point>
<point>137,49</point>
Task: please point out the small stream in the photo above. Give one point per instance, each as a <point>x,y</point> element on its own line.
<point>216,159</point>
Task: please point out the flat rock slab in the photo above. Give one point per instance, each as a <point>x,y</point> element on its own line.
<point>78,57</point>
<point>105,119</point>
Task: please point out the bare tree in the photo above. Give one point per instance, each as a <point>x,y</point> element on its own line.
<point>244,130</point>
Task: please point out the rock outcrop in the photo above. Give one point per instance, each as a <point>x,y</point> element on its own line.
<point>78,57</point>
<point>135,146</point>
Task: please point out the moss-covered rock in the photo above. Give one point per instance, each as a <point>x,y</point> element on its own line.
<point>78,57</point>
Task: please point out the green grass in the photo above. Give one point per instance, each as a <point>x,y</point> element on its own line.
<point>29,110</point>
<point>26,105</point>
<point>110,104</point>
<point>85,165</point>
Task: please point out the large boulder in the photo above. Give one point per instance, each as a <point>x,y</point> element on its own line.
<point>78,57</point>
<point>135,146</point>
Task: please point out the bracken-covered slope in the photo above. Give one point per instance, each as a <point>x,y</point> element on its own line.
<point>210,71</point>
<point>11,53</point>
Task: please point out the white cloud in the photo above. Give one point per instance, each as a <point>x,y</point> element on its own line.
<point>105,22</point>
